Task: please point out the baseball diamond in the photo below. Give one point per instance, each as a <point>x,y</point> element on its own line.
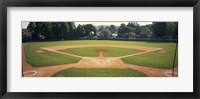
<point>98,58</point>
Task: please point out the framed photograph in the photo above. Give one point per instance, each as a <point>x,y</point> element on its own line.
<point>90,49</point>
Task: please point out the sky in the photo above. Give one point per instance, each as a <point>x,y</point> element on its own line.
<point>25,24</point>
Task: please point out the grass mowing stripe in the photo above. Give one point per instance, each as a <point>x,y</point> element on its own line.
<point>98,72</point>
<point>160,59</point>
<point>47,58</point>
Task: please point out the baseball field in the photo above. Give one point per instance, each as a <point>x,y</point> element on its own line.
<point>98,58</point>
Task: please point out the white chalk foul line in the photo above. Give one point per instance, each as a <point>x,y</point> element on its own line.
<point>169,74</point>
<point>33,72</point>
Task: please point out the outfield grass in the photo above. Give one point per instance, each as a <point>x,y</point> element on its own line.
<point>160,59</point>
<point>46,58</point>
<point>98,72</point>
<point>92,51</point>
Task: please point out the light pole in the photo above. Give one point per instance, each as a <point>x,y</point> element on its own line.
<point>174,62</point>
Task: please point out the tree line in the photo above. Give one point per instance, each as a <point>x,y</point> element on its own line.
<point>59,30</point>
<point>162,30</point>
<point>68,30</point>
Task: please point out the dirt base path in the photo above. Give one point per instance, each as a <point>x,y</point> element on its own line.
<point>48,71</point>
<point>56,48</point>
<point>93,62</point>
<point>152,72</point>
<point>25,65</point>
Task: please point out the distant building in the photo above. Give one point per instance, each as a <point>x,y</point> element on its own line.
<point>100,34</point>
<point>150,35</point>
<point>114,35</point>
<point>133,35</point>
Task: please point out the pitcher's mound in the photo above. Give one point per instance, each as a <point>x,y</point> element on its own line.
<point>102,50</point>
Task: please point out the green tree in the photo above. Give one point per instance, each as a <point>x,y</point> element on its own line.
<point>56,30</point>
<point>90,29</point>
<point>65,30</point>
<point>61,30</point>
<point>46,32</point>
<point>80,31</point>
<point>40,30</point>
<point>112,29</point>
<point>72,31</point>
<point>132,26</point>
<point>137,29</point>
<point>123,29</point>
<point>101,28</point>
<point>145,31</point>
<point>172,30</point>
<point>30,29</point>
<point>175,35</point>
<point>31,26</point>
<point>37,31</point>
<point>159,29</point>
<point>106,32</point>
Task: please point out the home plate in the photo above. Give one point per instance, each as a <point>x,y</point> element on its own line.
<point>100,63</point>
